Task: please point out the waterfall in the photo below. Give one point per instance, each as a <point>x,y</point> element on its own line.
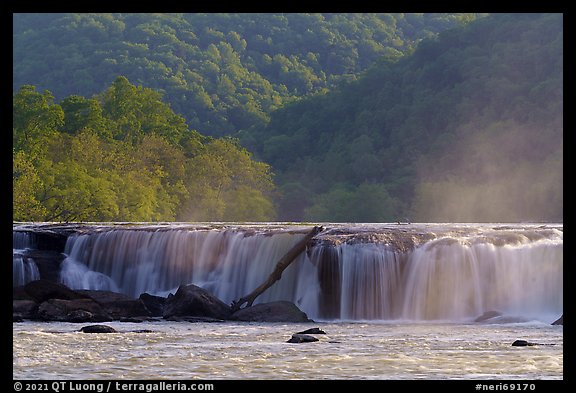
<point>229,264</point>
<point>24,269</point>
<point>358,281</point>
<point>450,279</point>
<point>416,272</point>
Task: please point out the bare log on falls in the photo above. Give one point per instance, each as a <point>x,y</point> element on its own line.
<point>276,274</point>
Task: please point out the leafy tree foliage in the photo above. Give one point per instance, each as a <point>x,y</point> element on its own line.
<point>125,156</point>
<point>221,72</point>
<point>468,128</point>
<point>363,117</point>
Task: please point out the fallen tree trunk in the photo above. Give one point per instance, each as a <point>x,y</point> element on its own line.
<point>277,273</point>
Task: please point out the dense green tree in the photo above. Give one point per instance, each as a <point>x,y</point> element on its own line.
<point>444,132</point>
<point>35,119</point>
<point>362,117</point>
<point>126,156</point>
<point>222,178</point>
<point>81,113</point>
<point>270,59</point>
<point>26,185</point>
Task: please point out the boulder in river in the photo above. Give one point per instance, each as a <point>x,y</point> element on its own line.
<point>98,329</point>
<point>191,300</point>
<point>26,309</point>
<point>522,343</point>
<point>312,331</point>
<point>155,304</point>
<point>302,338</point>
<point>118,305</point>
<point>42,290</point>
<point>69,311</point>
<point>279,311</point>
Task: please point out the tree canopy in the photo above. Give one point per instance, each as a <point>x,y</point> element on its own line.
<point>222,72</point>
<point>467,128</point>
<point>361,117</point>
<point>126,156</point>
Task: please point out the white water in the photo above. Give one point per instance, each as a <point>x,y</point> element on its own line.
<point>448,272</point>
<point>390,312</point>
<point>24,269</point>
<point>393,350</point>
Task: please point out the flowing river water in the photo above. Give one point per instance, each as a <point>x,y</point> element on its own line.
<point>396,303</point>
<point>348,350</point>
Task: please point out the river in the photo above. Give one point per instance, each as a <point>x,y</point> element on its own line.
<point>398,302</point>
<point>390,350</point>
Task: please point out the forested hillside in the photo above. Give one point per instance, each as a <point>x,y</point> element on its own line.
<point>124,155</point>
<point>221,72</point>
<point>468,128</point>
<point>339,117</point>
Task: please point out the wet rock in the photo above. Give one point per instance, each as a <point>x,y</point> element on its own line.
<point>191,300</point>
<point>98,329</point>
<point>302,338</point>
<point>48,262</point>
<point>118,305</point>
<point>42,290</point>
<point>559,321</point>
<point>488,315</point>
<point>79,316</point>
<point>493,317</point>
<point>27,309</point>
<point>133,308</point>
<point>155,304</point>
<point>522,343</point>
<point>19,293</point>
<point>69,311</point>
<point>131,319</point>
<point>279,311</point>
<point>312,331</point>
<point>194,319</point>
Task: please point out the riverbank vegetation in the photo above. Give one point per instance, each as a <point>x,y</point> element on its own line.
<point>296,117</point>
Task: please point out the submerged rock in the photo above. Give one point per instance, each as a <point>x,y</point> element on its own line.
<point>302,338</point>
<point>488,315</point>
<point>279,311</point>
<point>522,343</point>
<point>312,331</point>
<point>98,329</point>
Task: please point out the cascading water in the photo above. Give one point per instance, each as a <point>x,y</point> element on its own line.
<point>451,279</point>
<point>375,272</point>
<point>227,263</point>
<point>24,268</point>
